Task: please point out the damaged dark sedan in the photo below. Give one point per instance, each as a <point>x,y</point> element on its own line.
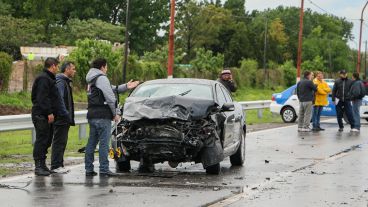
<point>179,120</point>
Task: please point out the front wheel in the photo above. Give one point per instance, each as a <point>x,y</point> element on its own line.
<point>213,169</point>
<point>288,114</point>
<point>238,158</point>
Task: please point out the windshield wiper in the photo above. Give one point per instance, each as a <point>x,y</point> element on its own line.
<point>185,93</point>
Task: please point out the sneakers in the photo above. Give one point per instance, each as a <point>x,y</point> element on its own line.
<point>354,130</point>
<point>91,174</point>
<point>341,129</point>
<point>316,130</point>
<point>61,170</point>
<point>300,129</point>
<point>306,130</point>
<point>321,129</point>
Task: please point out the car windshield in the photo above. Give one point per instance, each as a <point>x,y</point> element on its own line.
<point>170,89</point>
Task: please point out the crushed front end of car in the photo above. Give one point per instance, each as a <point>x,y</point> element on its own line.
<point>174,128</point>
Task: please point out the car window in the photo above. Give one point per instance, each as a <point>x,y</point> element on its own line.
<point>170,89</point>
<point>227,95</point>
<point>220,95</point>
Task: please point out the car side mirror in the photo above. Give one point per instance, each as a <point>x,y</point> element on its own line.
<point>228,107</point>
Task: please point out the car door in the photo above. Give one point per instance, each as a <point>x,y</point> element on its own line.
<point>237,113</point>
<point>293,101</point>
<point>228,129</point>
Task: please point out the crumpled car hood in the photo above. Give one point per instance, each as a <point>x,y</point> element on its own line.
<point>174,107</point>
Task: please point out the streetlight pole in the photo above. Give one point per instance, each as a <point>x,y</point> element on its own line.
<point>170,61</point>
<point>126,46</point>
<point>299,61</point>
<point>360,36</point>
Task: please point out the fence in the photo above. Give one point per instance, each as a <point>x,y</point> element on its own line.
<point>24,121</point>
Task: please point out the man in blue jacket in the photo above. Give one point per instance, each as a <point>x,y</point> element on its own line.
<point>66,117</point>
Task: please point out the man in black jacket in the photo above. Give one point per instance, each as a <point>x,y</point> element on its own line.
<point>45,100</point>
<point>305,92</point>
<point>65,118</point>
<point>342,99</point>
<point>357,92</point>
<point>227,80</point>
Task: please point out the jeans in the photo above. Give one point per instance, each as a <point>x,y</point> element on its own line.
<point>58,145</point>
<point>99,132</point>
<point>341,107</point>
<point>305,114</point>
<point>356,112</point>
<point>44,133</point>
<point>316,118</point>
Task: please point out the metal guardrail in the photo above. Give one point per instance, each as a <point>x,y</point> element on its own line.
<point>24,121</point>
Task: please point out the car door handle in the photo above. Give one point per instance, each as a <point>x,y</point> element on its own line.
<point>294,99</point>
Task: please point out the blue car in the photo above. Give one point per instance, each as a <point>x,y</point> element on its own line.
<point>286,104</point>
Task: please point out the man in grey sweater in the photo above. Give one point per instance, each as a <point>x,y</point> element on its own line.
<point>101,110</point>
<point>305,92</point>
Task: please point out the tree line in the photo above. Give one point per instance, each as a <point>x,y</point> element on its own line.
<point>209,34</point>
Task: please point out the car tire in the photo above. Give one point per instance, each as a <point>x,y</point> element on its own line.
<point>123,166</point>
<point>288,114</point>
<point>238,158</point>
<point>213,169</point>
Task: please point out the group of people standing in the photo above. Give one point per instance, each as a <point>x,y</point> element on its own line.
<point>347,95</point>
<point>53,114</point>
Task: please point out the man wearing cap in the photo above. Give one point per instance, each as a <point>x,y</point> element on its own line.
<point>226,79</point>
<point>342,99</point>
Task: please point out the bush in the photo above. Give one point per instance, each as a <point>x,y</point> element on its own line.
<point>206,64</point>
<point>289,72</point>
<point>87,50</point>
<point>245,76</point>
<point>5,70</point>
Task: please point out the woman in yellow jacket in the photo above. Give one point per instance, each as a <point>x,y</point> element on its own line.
<point>320,100</point>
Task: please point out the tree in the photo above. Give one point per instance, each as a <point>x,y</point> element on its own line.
<point>5,70</point>
<point>237,7</point>
<point>18,32</point>
<point>76,29</point>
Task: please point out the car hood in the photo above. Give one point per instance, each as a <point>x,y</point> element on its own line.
<point>170,107</point>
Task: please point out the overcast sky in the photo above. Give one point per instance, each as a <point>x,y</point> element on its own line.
<point>350,9</point>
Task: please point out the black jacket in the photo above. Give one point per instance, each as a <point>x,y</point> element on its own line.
<point>341,89</point>
<point>357,90</point>
<point>230,85</point>
<point>45,97</point>
<point>305,90</point>
<point>64,85</point>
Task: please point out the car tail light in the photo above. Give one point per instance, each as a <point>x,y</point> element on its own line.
<point>273,98</point>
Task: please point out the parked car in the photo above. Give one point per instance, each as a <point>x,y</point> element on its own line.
<point>286,104</point>
<point>180,120</point>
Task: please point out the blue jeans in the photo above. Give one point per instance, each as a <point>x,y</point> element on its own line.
<point>316,118</point>
<point>99,132</point>
<point>356,112</point>
<point>341,107</point>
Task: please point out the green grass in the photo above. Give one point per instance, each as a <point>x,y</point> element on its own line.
<point>21,99</point>
<point>16,147</point>
<point>253,94</point>
<point>267,117</point>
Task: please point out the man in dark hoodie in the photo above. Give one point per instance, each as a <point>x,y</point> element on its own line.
<point>66,117</point>
<point>305,92</point>
<point>342,99</point>
<point>46,103</point>
<point>101,110</point>
<point>226,79</point>
<point>357,92</point>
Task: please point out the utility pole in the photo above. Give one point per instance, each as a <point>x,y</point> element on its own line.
<point>265,49</point>
<point>365,59</point>
<point>170,61</point>
<point>360,36</point>
<point>300,42</point>
<point>126,45</point>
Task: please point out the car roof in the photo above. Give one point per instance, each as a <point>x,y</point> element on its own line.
<point>183,80</point>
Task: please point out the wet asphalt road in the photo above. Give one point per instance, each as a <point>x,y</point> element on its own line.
<point>283,168</point>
